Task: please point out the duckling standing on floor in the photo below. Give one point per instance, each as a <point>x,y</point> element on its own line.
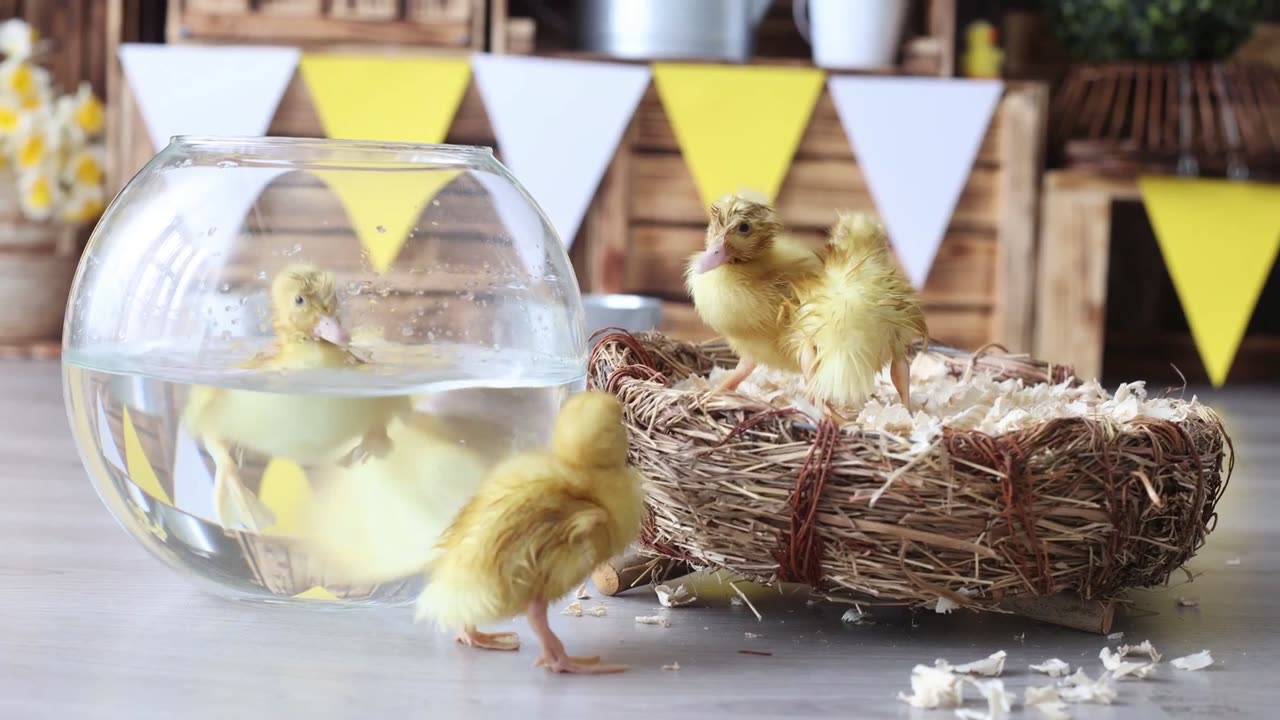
<point>535,529</point>
<point>303,428</point>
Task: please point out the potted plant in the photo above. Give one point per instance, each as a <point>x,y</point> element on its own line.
<point>1155,30</point>
<point>51,186</point>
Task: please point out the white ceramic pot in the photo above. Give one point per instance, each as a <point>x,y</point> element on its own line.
<point>852,34</point>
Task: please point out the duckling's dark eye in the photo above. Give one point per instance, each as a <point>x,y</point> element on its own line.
<point>744,228</point>
<point>298,300</point>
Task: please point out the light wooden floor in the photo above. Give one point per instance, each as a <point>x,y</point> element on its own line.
<point>92,627</point>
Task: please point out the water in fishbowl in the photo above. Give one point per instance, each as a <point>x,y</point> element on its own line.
<point>231,475</point>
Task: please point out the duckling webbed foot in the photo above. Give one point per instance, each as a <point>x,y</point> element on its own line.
<point>554,658</point>
<point>375,444</point>
<point>735,378</point>
<point>233,504</point>
<point>472,637</point>
<point>900,373</point>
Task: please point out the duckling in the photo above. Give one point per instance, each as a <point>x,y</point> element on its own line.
<point>982,56</point>
<point>304,428</point>
<point>535,529</point>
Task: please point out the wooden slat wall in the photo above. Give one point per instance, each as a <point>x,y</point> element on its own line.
<point>76,29</point>
<point>647,217</point>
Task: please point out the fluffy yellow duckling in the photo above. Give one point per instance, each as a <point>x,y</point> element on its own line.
<point>538,525</point>
<point>303,428</point>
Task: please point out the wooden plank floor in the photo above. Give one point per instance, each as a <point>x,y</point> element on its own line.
<point>93,627</point>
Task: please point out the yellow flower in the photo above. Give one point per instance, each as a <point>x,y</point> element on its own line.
<point>9,119</point>
<point>84,167</point>
<point>88,112</point>
<point>38,194</point>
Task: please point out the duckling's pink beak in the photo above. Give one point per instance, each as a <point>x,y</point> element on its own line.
<point>714,257</point>
<point>328,328</point>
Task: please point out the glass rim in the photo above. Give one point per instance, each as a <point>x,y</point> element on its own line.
<point>234,142</point>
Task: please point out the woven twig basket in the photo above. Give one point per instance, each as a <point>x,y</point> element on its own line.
<point>1077,508</point>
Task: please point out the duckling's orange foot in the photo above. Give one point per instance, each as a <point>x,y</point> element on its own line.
<point>578,665</point>
<point>489,641</point>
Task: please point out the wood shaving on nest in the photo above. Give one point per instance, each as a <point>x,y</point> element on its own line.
<point>653,620</point>
<point>980,402</point>
<point>1195,661</point>
<point>677,597</point>
<point>990,666</point>
<point>1053,667</point>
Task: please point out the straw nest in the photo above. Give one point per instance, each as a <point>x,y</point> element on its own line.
<point>1088,506</point>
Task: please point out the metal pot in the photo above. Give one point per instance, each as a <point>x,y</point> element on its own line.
<point>633,313</point>
<point>670,29</point>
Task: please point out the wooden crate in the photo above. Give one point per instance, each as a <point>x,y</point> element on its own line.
<point>648,218</point>
<point>457,24</point>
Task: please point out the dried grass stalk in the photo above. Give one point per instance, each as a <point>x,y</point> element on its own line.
<point>1064,506</point>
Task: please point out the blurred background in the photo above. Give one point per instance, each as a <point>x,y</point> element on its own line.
<point>1050,249</point>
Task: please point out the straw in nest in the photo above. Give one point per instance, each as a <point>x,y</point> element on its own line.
<point>1054,520</point>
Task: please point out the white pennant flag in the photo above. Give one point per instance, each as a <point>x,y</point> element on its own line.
<point>555,149</point>
<point>202,90</point>
<point>192,481</point>
<point>915,140</point>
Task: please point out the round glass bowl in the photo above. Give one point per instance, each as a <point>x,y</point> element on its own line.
<point>273,344</point>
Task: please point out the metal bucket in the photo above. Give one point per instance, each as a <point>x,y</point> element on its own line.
<point>670,29</point>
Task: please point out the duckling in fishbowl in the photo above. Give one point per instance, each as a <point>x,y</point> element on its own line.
<point>305,428</point>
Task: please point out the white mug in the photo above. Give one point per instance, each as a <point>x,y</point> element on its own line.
<point>852,34</point>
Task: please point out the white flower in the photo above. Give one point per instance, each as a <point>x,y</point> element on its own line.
<point>38,193</point>
<point>35,143</point>
<point>81,114</point>
<point>83,204</point>
<point>25,83</point>
<point>84,167</point>
<point>10,119</point>
<point>17,39</point>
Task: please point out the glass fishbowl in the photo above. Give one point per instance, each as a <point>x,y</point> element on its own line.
<point>287,362</point>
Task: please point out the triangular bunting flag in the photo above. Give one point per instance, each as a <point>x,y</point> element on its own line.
<point>192,481</point>
<point>915,157</point>
<point>738,126</point>
<point>204,90</point>
<point>284,489</point>
<point>386,98</point>
<point>559,152</point>
<point>384,213</point>
<point>140,470</point>
<point>315,592</point>
<point>110,451</point>
<point>393,99</point>
<point>1219,239</point>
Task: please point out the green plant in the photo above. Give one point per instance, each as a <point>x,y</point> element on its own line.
<point>1164,30</point>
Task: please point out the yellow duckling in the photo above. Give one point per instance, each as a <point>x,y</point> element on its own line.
<point>304,428</point>
<point>982,56</point>
<point>536,528</point>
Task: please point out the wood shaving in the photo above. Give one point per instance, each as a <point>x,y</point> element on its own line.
<point>1056,710</point>
<point>1080,689</point>
<point>933,688</point>
<point>735,601</point>
<point>1041,695</point>
<point>853,616</point>
<point>1188,602</point>
<point>653,620</point>
<point>673,667</point>
<point>1119,668</point>
<point>745,599</point>
<point>574,609</point>
<point>1143,648</point>
<point>1116,636</point>
<point>998,704</point>
<point>990,666</point>
<point>677,597</point>
<point>598,611</point>
<point>751,635</point>
<point>1234,561</point>
<point>945,605</point>
<point>980,402</point>
<point>1053,667</point>
<point>581,592</point>
<point>1195,661</point>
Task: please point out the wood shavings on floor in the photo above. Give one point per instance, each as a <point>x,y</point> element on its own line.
<point>673,667</point>
<point>1053,667</point>
<point>658,620</point>
<point>990,666</point>
<point>979,403</point>
<point>575,609</point>
<point>674,597</point>
<point>1195,661</point>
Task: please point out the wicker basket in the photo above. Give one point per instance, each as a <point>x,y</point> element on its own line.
<point>1071,510</point>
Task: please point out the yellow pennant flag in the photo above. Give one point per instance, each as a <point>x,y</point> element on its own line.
<point>393,99</point>
<point>1219,239</point>
<point>140,470</point>
<point>285,490</point>
<point>384,210</point>
<point>737,126</point>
